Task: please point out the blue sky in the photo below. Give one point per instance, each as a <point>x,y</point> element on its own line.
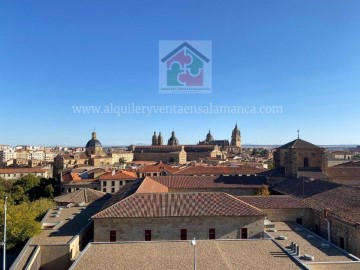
<point>301,55</point>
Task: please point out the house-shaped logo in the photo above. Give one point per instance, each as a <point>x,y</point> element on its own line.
<point>183,68</point>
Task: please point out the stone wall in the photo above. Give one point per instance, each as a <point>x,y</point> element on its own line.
<point>350,233</point>
<point>277,215</point>
<point>133,229</point>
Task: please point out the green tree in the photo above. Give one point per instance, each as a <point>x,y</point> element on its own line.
<point>23,220</point>
<point>49,191</point>
<point>122,161</point>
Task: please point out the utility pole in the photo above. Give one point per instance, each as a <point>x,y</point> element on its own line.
<point>4,243</point>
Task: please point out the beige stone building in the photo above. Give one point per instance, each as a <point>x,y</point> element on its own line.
<point>111,182</point>
<point>300,155</point>
<point>93,156</point>
<point>177,216</point>
<point>127,156</point>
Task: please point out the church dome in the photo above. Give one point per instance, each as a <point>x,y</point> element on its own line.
<point>93,142</point>
<point>173,140</point>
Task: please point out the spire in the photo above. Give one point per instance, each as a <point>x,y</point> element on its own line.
<point>154,139</point>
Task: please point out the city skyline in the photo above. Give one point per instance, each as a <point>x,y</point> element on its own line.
<point>300,56</point>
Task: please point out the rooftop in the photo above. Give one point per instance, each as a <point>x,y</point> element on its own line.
<point>179,204</point>
<point>343,201</point>
<point>298,143</point>
<point>85,195</point>
<point>158,167</point>
<point>22,170</point>
<point>309,243</point>
<point>119,175</point>
<point>196,182</point>
<point>179,255</point>
<point>274,201</point>
<point>221,170</point>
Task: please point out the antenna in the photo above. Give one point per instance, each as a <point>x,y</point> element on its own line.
<point>298,131</point>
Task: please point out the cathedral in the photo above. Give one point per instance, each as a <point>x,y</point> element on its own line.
<point>233,147</point>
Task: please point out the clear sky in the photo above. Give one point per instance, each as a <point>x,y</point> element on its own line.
<point>301,55</point>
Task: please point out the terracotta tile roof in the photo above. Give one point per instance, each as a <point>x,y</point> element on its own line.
<point>314,174</point>
<point>22,170</point>
<point>159,167</point>
<point>274,201</point>
<point>179,205</point>
<point>119,175</point>
<point>124,192</point>
<point>221,170</point>
<point>203,182</point>
<point>344,173</point>
<point>343,201</point>
<point>298,143</point>
<point>86,195</point>
<point>68,177</point>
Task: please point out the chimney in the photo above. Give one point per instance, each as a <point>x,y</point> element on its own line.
<point>326,212</point>
<point>113,172</point>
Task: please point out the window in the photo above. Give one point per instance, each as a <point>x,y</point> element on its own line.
<point>112,190</point>
<point>306,162</point>
<point>104,189</point>
<point>147,235</point>
<point>316,229</point>
<point>183,234</point>
<point>113,183</point>
<point>104,183</point>
<point>121,183</point>
<point>299,221</point>
<point>69,190</point>
<point>341,242</point>
<point>244,233</point>
<point>211,233</point>
<point>112,236</point>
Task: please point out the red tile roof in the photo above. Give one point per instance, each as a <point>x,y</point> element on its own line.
<point>119,175</point>
<point>22,170</point>
<point>274,201</point>
<point>221,170</point>
<point>86,195</point>
<point>203,182</point>
<point>152,205</point>
<point>343,201</point>
<point>159,167</point>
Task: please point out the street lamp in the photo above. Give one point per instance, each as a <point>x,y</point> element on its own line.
<point>193,243</point>
<point>4,243</point>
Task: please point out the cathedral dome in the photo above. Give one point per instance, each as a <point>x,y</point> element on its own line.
<point>173,140</point>
<point>93,142</point>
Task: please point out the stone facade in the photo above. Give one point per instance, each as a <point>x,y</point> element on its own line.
<point>133,229</point>
<point>300,155</point>
<point>342,234</point>
<point>299,215</point>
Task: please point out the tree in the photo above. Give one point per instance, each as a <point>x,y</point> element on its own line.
<point>122,160</point>
<point>49,191</point>
<point>23,220</point>
<point>263,191</point>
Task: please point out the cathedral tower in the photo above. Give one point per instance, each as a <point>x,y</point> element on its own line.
<point>236,137</point>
